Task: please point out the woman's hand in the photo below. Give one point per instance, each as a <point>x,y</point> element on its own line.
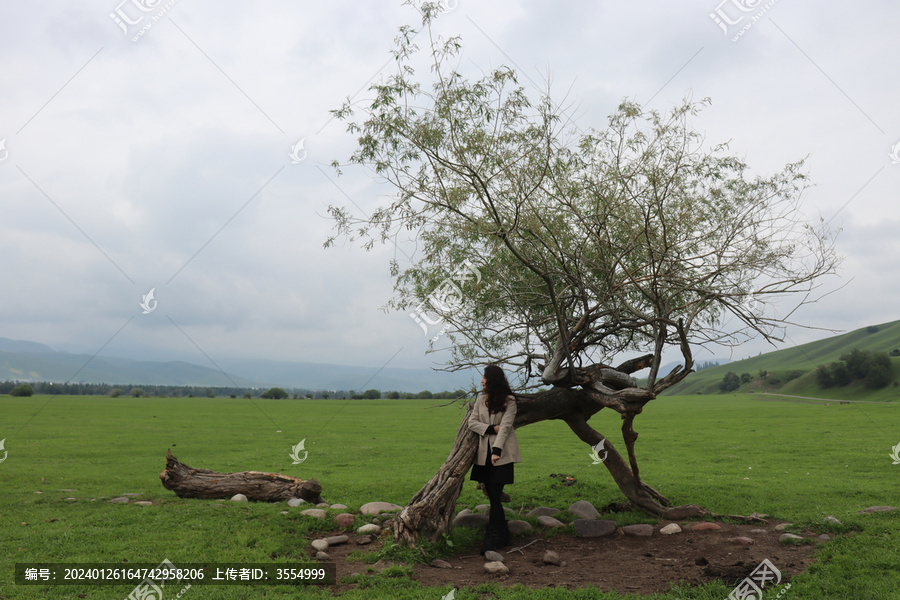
<point>494,459</point>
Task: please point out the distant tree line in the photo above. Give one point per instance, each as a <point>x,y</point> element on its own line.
<point>17,388</point>
<point>873,369</point>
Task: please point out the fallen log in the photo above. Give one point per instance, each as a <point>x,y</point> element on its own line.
<point>188,482</point>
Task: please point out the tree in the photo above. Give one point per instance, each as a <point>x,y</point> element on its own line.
<point>551,251</point>
<point>115,392</point>
<point>746,378</point>
<point>730,382</point>
<point>22,390</point>
<point>137,392</point>
<point>275,393</point>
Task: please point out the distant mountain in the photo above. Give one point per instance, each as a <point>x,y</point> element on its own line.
<point>319,376</point>
<point>8,345</point>
<point>30,361</point>
<point>61,367</point>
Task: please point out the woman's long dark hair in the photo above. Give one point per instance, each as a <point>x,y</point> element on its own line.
<point>497,388</point>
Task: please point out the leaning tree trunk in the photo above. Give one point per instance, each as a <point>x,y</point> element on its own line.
<point>188,482</point>
<point>431,510</point>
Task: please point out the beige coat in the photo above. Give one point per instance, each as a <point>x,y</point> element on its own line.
<point>505,439</point>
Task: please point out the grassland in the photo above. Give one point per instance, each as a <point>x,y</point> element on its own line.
<point>734,454</point>
<point>804,359</point>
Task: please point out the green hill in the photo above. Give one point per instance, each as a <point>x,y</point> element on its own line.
<point>792,370</point>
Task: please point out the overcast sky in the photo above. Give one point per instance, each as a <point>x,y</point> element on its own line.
<point>148,145</point>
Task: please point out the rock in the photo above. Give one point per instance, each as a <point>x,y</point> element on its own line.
<point>368,528</point>
<point>670,529</point>
<point>782,526</point>
<point>548,521</point>
<point>759,531</point>
<point>584,510</point>
<point>740,541</point>
<point>364,539</point>
<point>594,527</point>
<point>825,537</point>
<point>472,520</point>
<point>874,509</point>
<point>705,526</point>
<point>123,500</point>
<point>517,527</point>
<point>337,540</point>
<point>322,505</point>
<point>295,502</point>
<point>542,511</point>
<point>319,545</point>
<point>125,494</point>
<point>144,503</point>
<point>832,520</point>
<point>550,558</point>
<point>496,568</point>
<point>344,520</point>
<point>339,506</point>
<point>492,556</point>
<point>789,537</point>
<point>440,564</point>
<point>323,556</point>
<point>317,513</point>
<point>376,508</point>
<point>639,530</point>
<point>239,498</point>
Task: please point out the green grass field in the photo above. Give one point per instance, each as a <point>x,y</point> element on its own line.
<point>732,454</point>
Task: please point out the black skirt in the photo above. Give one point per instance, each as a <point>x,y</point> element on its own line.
<point>484,473</point>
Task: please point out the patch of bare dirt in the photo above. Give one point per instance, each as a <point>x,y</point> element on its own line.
<point>627,564</point>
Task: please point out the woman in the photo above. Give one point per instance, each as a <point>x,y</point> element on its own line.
<point>492,419</point>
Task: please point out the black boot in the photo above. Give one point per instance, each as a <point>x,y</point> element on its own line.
<point>502,536</point>
<point>490,539</point>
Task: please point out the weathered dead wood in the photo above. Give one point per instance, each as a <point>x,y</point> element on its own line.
<point>188,482</point>
<point>430,511</point>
